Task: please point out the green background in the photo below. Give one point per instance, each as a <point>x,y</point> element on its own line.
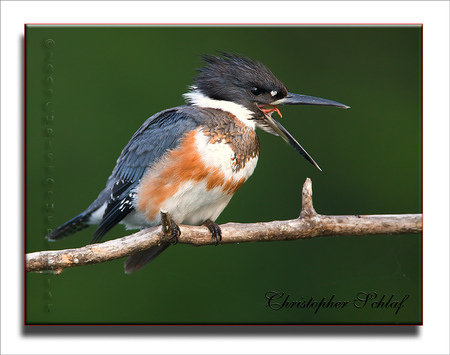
<point>106,81</point>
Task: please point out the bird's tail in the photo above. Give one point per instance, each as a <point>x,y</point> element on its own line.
<point>74,225</point>
<point>139,260</point>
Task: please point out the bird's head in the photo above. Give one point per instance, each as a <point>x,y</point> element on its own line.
<point>250,84</point>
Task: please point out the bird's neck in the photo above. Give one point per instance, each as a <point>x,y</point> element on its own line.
<point>197,98</point>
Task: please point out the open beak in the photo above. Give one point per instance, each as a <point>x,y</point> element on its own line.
<point>295,99</point>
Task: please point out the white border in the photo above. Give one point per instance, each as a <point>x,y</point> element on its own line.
<point>431,338</point>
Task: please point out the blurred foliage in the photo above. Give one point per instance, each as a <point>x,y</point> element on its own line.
<point>106,80</point>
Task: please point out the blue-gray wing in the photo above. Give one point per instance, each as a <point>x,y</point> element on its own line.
<point>159,134</point>
<point>155,137</point>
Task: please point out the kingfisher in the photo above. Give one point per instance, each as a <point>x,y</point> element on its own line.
<point>190,160</point>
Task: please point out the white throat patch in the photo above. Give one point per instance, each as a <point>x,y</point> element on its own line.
<point>243,114</point>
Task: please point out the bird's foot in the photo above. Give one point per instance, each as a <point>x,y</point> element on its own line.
<point>169,228</point>
<point>176,232</point>
<point>214,229</point>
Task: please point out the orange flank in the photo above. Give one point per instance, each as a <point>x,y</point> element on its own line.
<point>231,186</point>
<point>177,167</point>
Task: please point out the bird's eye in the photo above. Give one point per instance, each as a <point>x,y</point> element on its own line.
<point>256,91</point>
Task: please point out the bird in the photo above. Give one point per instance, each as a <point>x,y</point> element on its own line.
<point>189,160</point>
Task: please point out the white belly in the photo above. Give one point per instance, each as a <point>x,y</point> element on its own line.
<point>198,191</point>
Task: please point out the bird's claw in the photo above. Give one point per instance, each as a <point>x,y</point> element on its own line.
<point>216,232</point>
<point>176,232</point>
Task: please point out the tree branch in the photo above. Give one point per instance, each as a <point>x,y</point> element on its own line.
<point>308,225</point>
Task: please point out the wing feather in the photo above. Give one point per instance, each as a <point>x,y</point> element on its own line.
<point>159,134</point>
